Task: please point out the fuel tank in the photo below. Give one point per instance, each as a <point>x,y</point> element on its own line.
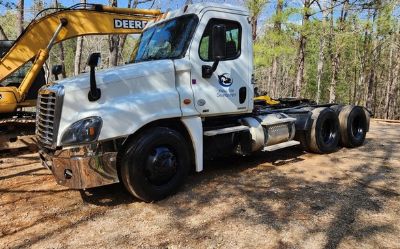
<point>270,129</point>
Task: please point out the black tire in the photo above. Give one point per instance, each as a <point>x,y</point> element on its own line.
<point>323,137</point>
<point>353,126</point>
<point>155,164</point>
<point>336,108</point>
<point>301,137</point>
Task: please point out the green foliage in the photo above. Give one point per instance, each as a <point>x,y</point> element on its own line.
<point>130,43</point>
<point>275,43</point>
<point>8,22</point>
<point>362,42</point>
<point>255,6</point>
<point>69,53</point>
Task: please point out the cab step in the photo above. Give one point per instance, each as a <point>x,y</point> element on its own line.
<point>226,130</point>
<point>281,145</point>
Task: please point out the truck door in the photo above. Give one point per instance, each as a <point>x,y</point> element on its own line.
<point>227,90</point>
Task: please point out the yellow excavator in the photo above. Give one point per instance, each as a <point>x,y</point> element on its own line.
<point>31,50</point>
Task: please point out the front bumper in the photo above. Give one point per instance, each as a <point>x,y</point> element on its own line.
<point>81,168</point>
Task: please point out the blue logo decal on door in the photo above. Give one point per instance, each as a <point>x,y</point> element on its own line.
<point>225,80</point>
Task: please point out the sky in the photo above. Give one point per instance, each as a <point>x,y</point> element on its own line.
<point>165,5</point>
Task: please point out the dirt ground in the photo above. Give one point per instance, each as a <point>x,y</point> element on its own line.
<point>286,199</point>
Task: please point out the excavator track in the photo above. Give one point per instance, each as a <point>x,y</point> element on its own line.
<point>17,131</point>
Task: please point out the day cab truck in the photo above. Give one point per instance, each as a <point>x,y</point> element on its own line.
<point>186,96</point>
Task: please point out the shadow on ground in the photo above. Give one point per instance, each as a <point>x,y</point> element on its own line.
<point>266,190</point>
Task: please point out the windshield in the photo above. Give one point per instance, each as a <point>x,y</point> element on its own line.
<point>167,40</point>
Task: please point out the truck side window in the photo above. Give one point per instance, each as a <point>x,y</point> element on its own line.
<point>233,40</point>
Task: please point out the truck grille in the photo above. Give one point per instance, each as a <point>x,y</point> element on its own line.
<point>48,115</point>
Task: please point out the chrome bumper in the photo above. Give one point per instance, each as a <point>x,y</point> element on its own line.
<point>79,168</point>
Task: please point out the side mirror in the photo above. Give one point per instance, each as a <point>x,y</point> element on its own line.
<point>218,48</point>
<point>218,42</point>
<point>56,70</point>
<point>93,61</point>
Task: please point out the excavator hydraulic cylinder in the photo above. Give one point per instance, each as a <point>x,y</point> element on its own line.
<point>33,72</point>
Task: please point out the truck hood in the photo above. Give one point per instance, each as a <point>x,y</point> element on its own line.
<point>128,72</point>
<point>131,96</point>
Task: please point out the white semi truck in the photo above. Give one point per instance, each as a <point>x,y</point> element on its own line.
<point>186,96</point>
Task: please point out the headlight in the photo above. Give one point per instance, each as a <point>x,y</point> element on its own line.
<point>83,131</point>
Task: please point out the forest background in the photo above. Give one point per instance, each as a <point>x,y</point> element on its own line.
<point>326,50</point>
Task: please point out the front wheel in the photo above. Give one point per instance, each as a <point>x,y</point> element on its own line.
<point>155,164</point>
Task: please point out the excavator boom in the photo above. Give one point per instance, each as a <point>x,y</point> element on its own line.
<point>95,20</point>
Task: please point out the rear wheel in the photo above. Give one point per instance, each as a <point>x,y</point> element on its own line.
<point>353,126</point>
<point>323,137</point>
<point>155,164</point>
<point>336,108</point>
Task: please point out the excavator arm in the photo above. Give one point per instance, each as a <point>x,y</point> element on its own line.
<point>96,20</point>
<point>41,34</point>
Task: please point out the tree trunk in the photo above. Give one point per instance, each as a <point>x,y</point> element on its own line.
<point>275,60</point>
<point>20,16</point>
<point>3,35</point>
<point>394,68</point>
<point>113,43</point>
<point>255,8</point>
<point>320,64</point>
<point>122,38</point>
<point>336,49</point>
<point>334,78</point>
<point>370,89</point>
<point>301,51</point>
<point>300,67</point>
<point>374,54</point>
<point>78,55</point>
<point>352,98</point>
<point>395,106</point>
<point>390,82</point>
<point>268,89</point>
<point>254,27</point>
<point>364,57</point>
<point>62,59</point>
<point>78,52</point>
<point>62,56</point>
<point>274,74</point>
<point>333,55</point>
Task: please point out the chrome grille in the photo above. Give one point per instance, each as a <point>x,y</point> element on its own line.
<point>48,115</point>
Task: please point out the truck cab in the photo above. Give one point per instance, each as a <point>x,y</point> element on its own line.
<point>185,96</point>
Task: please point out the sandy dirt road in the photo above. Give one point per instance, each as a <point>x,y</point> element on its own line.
<point>286,199</point>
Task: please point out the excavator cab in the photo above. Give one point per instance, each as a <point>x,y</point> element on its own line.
<point>15,79</point>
